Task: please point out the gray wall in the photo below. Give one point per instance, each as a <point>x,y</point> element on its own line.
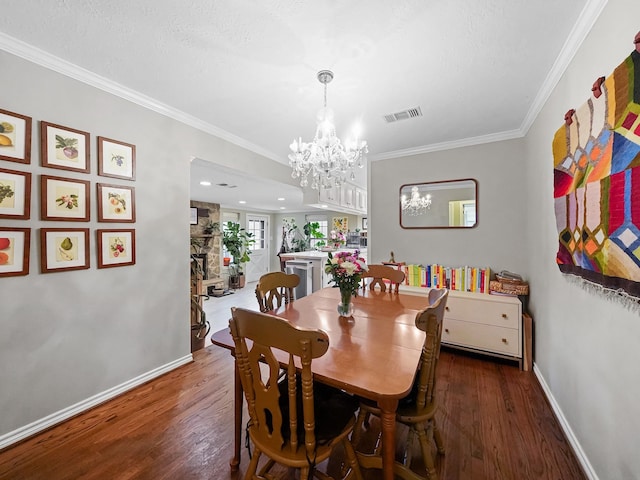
<point>69,336</point>
<point>497,240</point>
<point>587,347</point>
<point>587,353</point>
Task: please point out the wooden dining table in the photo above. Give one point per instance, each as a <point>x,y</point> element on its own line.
<point>374,354</point>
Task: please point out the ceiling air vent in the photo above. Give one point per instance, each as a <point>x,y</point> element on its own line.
<point>403,115</point>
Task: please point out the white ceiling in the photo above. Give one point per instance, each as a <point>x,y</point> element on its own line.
<point>246,70</point>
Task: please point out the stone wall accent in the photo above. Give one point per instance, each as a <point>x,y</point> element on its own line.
<point>211,246</point>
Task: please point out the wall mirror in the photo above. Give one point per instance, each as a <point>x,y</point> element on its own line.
<point>445,204</point>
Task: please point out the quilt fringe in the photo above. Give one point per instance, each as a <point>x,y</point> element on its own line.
<point>631,302</point>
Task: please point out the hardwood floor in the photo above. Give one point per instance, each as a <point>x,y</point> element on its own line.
<point>494,418</point>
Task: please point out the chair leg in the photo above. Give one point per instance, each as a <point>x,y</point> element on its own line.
<point>352,459</point>
<point>253,465</point>
<point>408,451</point>
<point>304,473</point>
<point>377,449</point>
<point>357,429</point>
<point>437,436</point>
<point>266,468</point>
<point>426,452</point>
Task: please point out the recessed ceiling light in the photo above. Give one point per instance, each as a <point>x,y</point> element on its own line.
<point>281,199</point>
<point>205,183</point>
<point>282,208</point>
<point>242,202</point>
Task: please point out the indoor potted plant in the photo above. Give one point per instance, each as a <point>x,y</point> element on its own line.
<point>237,241</point>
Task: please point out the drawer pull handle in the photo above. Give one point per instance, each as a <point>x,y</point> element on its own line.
<point>446,308</point>
<point>446,330</point>
<point>504,340</point>
<point>504,315</point>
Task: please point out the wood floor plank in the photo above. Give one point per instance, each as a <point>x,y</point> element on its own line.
<point>495,421</point>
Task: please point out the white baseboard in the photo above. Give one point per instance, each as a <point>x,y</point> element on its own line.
<point>66,413</point>
<point>566,428</point>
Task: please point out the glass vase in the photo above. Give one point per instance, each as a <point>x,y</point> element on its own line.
<point>345,307</point>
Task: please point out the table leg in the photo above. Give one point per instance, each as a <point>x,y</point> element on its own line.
<point>388,427</point>
<point>237,418</point>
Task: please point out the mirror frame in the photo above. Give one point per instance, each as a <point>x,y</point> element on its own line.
<point>441,184</point>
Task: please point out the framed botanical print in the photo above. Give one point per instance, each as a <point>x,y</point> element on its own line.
<point>64,199</point>
<point>340,224</point>
<point>14,251</point>
<point>116,248</point>
<point>116,159</point>
<point>64,148</point>
<point>15,137</point>
<point>116,203</point>
<point>64,249</point>
<point>15,194</point>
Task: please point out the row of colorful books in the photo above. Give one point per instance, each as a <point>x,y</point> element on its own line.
<point>465,279</point>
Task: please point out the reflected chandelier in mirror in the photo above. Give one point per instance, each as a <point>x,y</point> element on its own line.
<point>444,204</point>
<point>415,204</point>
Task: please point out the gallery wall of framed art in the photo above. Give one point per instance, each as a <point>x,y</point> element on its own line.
<point>64,198</point>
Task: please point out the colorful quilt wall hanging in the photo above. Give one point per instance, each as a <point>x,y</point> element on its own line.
<point>596,156</point>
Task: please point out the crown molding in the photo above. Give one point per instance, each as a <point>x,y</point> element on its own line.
<point>44,59</point>
<point>579,32</point>
<point>436,147</point>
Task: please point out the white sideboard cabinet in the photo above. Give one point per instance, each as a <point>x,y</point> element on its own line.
<point>479,322</point>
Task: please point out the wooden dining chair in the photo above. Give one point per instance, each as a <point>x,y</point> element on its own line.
<point>275,288</point>
<point>417,409</point>
<point>380,273</point>
<point>295,422</point>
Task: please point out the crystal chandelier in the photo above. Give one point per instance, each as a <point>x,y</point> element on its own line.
<point>326,160</point>
<point>416,205</point>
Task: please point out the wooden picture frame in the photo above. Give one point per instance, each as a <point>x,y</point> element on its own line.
<point>116,159</point>
<point>64,199</point>
<point>15,137</point>
<point>116,247</point>
<point>14,251</point>
<point>64,249</point>
<point>116,203</point>
<point>15,194</point>
<point>64,148</point>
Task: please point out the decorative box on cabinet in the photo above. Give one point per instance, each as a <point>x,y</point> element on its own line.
<point>488,324</point>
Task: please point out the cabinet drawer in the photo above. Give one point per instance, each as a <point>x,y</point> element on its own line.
<point>505,341</point>
<point>487,312</point>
